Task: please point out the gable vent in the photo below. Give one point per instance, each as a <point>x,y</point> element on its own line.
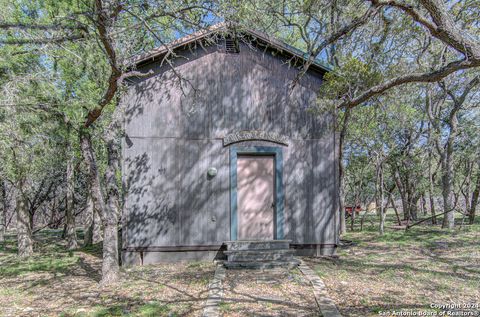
<point>231,46</point>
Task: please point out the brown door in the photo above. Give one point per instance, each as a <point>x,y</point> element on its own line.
<point>255,190</point>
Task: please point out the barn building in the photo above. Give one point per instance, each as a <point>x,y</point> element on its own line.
<point>220,146</point>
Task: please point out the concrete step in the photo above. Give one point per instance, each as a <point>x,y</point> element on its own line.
<point>258,245</point>
<point>262,264</point>
<point>259,255</point>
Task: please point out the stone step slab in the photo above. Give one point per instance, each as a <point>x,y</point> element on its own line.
<point>257,245</point>
<point>258,265</point>
<point>259,255</point>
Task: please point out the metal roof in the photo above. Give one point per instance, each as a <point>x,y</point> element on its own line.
<point>218,28</point>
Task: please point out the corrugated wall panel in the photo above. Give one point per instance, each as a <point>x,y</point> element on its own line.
<point>177,134</point>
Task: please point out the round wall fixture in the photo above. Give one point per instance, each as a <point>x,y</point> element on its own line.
<point>212,172</point>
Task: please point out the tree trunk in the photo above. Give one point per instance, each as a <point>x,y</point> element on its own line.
<point>341,172</point>
<point>398,182</point>
<point>89,221</point>
<point>381,199</point>
<point>11,207</point>
<point>97,226</point>
<point>447,187</point>
<point>447,157</point>
<point>88,154</point>
<point>432,201</point>
<point>432,209</point>
<point>341,203</point>
<point>24,231</point>
<point>414,198</point>
<point>95,186</point>
<point>475,198</point>
<point>431,181</point>
<point>409,212</point>
<point>352,223</point>
<point>392,202</point>
<point>110,266</point>
<point>70,233</point>
<point>3,211</point>
<point>30,219</point>
<point>53,215</point>
<point>424,205</point>
<point>355,202</point>
<point>108,212</point>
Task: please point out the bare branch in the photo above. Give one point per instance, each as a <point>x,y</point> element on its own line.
<point>115,81</point>
<point>442,26</point>
<point>332,38</point>
<point>40,41</point>
<point>428,77</point>
<point>45,27</point>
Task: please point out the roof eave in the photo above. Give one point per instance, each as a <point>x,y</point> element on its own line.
<point>271,41</point>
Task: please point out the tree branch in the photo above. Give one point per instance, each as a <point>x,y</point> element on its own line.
<point>442,26</point>
<point>116,79</point>
<point>45,27</point>
<point>335,36</point>
<point>428,77</point>
<point>40,41</point>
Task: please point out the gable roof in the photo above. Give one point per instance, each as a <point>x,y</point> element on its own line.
<point>263,38</point>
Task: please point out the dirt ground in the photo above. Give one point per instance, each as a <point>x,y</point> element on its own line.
<point>55,282</point>
<point>59,283</point>
<point>273,292</point>
<point>410,271</point>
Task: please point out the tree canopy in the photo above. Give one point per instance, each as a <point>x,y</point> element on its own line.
<point>404,87</point>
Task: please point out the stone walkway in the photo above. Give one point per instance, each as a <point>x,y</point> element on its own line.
<point>215,293</point>
<point>269,292</point>
<point>327,306</point>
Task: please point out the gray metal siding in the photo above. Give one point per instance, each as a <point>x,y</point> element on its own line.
<point>176,135</point>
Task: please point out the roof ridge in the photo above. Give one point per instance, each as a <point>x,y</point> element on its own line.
<point>271,40</point>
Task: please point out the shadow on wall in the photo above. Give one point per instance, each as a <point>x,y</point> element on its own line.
<point>174,130</point>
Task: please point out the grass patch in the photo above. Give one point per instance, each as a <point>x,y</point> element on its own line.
<point>109,311</point>
<point>12,266</point>
<point>8,291</point>
<point>403,269</point>
<point>202,281</point>
<point>95,249</point>
<point>156,290</point>
<point>9,246</point>
<point>422,236</point>
<point>224,307</point>
<point>197,264</point>
<point>152,309</point>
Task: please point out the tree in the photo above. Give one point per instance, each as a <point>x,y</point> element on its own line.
<point>67,62</point>
<point>441,113</point>
<point>319,27</point>
<point>475,197</point>
<point>105,32</point>
<point>387,36</point>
